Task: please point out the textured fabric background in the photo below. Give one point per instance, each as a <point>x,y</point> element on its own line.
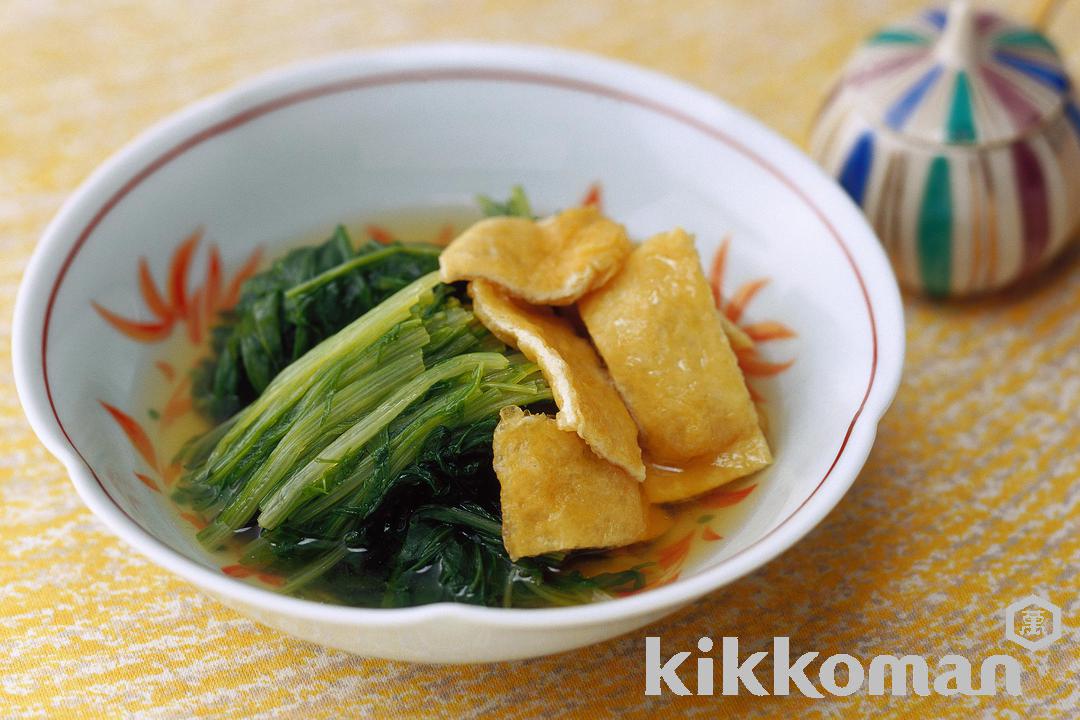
<point>969,500</point>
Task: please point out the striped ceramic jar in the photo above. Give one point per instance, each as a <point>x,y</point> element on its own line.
<point>959,136</point>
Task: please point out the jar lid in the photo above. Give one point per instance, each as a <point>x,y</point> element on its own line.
<point>961,76</point>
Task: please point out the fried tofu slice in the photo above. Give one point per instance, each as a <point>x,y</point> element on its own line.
<point>657,520</point>
<point>556,493</point>
<point>664,484</point>
<point>589,404</point>
<point>551,262</point>
<point>663,341</point>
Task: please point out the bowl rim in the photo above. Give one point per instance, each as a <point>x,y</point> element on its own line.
<point>420,63</point>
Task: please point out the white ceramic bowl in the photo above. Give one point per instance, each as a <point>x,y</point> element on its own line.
<point>293,152</point>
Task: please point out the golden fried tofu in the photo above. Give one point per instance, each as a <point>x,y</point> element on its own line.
<point>556,493</point>
<point>657,520</point>
<point>664,343</point>
<point>551,262</point>
<point>588,402</point>
<point>666,484</point>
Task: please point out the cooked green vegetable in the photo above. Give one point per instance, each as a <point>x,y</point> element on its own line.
<point>358,397</point>
<point>358,461</point>
<point>517,205</point>
<point>303,298</point>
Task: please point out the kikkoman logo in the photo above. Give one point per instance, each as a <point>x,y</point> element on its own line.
<point>1031,622</point>
<point>887,674</point>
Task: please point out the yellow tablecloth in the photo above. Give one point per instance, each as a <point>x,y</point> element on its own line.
<point>970,499</point>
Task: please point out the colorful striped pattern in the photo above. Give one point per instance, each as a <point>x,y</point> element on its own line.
<point>1031,184</point>
<point>1049,75</point>
<point>1021,109</point>
<point>899,112</point>
<point>933,152</point>
<point>1025,38</point>
<point>1008,200</point>
<point>902,82</point>
<point>935,229</point>
<point>961,116</point>
<point>856,170</point>
<point>905,37</point>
